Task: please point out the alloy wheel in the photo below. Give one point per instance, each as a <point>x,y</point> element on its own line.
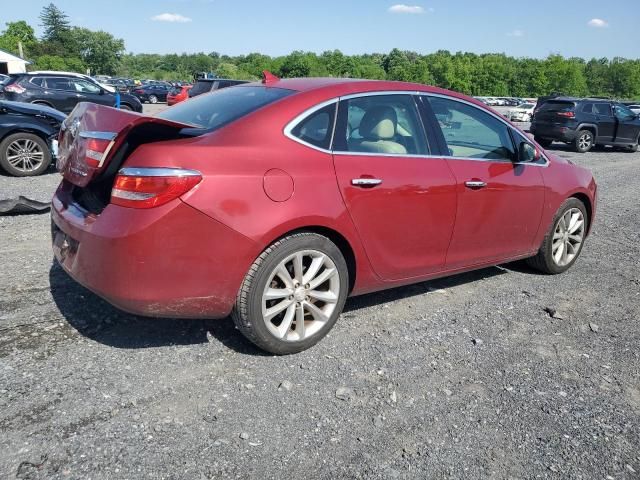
<point>584,142</point>
<point>568,237</point>
<point>25,155</point>
<point>300,295</point>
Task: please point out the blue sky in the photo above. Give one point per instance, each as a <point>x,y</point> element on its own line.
<point>534,28</point>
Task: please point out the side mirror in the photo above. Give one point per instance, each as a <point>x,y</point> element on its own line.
<point>528,153</point>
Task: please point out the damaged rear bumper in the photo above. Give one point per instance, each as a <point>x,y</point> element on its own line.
<point>169,261</point>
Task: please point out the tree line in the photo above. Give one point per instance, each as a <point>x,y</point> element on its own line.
<point>66,47</point>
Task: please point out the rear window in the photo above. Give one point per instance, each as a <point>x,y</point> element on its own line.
<point>201,87</point>
<point>555,106</point>
<point>223,106</point>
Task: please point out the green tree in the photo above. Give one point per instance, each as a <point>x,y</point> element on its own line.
<point>55,23</point>
<point>18,32</point>
<point>99,51</point>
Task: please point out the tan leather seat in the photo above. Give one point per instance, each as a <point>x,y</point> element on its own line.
<point>378,128</point>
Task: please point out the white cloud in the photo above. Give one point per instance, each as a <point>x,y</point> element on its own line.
<point>401,8</point>
<point>516,33</point>
<point>170,17</point>
<point>598,23</point>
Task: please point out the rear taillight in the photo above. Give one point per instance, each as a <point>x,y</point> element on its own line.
<point>14,88</point>
<point>139,91</point>
<point>152,187</point>
<point>97,146</point>
<point>566,114</point>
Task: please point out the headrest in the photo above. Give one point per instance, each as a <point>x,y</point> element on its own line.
<point>379,123</point>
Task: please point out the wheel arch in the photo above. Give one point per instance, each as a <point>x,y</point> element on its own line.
<point>593,128</point>
<point>42,133</point>
<point>587,204</point>
<point>43,102</point>
<point>337,238</point>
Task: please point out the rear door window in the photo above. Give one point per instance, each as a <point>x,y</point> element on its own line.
<point>223,106</point>
<point>587,108</point>
<point>58,83</point>
<point>602,109</point>
<point>381,124</point>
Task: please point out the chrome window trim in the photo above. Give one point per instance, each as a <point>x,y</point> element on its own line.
<point>98,135</point>
<point>157,172</point>
<point>293,123</point>
<point>288,129</point>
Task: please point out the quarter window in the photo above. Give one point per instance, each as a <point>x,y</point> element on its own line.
<point>380,124</point>
<point>472,133</point>
<point>317,128</point>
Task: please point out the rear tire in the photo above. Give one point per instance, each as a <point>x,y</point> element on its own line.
<point>631,148</point>
<point>292,277</point>
<point>566,219</point>
<point>543,142</point>
<point>584,141</point>
<point>153,99</point>
<point>24,154</point>
<point>124,106</point>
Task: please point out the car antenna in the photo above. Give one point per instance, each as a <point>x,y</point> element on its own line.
<point>268,77</point>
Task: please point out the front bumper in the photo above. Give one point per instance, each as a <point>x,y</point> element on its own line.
<point>169,261</point>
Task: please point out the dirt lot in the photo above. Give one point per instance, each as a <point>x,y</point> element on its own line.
<point>469,377</point>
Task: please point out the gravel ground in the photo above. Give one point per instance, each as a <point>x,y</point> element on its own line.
<point>468,377</point>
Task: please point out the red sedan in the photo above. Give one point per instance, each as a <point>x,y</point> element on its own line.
<point>178,94</point>
<point>275,201</point>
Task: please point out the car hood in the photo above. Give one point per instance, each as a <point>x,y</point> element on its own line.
<point>31,109</point>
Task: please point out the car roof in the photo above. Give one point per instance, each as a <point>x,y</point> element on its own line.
<point>346,86</point>
<point>55,72</point>
<point>218,79</point>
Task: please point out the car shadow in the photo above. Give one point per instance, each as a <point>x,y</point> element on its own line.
<point>96,319</point>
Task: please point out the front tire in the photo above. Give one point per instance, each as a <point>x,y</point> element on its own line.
<point>293,294</point>
<point>584,141</point>
<point>563,242</point>
<point>24,155</point>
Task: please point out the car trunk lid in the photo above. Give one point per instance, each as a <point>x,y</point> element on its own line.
<point>92,134</point>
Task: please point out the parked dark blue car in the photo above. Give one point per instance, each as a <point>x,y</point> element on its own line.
<point>27,133</point>
<point>152,93</point>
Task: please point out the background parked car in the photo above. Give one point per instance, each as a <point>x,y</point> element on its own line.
<point>522,113</point>
<point>206,85</point>
<point>178,94</point>
<point>585,123</point>
<point>635,108</point>
<point>152,93</point>
<point>26,135</point>
<point>63,91</point>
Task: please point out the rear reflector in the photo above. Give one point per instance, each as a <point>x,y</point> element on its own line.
<point>152,187</point>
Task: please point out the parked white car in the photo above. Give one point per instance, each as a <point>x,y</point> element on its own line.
<point>635,108</point>
<point>522,113</point>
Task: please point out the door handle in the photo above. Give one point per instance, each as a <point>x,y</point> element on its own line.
<point>475,184</point>
<point>365,182</point>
